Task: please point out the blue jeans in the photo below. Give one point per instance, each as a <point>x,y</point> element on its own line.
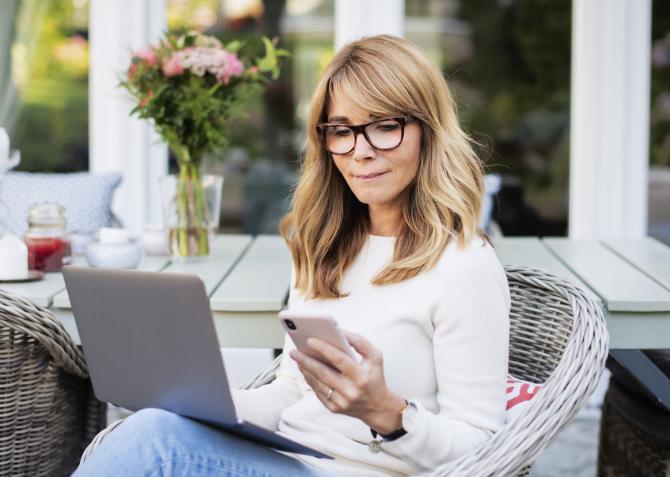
<point>154,443</point>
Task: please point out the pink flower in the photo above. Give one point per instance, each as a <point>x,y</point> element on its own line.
<point>147,55</point>
<point>172,67</point>
<point>231,67</point>
<point>217,61</point>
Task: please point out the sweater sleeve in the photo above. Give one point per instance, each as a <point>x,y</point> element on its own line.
<point>470,350</point>
<point>264,405</point>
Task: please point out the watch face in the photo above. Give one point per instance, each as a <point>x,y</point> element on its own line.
<point>408,416</point>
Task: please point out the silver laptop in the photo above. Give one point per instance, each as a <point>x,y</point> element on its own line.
<point>149,341</point>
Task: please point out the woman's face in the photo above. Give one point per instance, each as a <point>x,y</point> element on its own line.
<point>377,178</point>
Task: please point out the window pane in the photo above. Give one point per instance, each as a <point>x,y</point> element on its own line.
<point>659,135</point>
<point>260,166</point>
<point>508,63</point>
<point>44,83</point>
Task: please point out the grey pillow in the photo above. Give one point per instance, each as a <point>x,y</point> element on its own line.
<point>87,198</point>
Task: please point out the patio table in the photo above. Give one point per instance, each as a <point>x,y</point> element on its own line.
<point>247,279</point>
<point>629,278</point>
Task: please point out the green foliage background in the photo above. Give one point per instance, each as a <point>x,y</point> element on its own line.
<point>520,76</point>
<point>659,133</point>
<point>521,62</point>
<point>52,129</point>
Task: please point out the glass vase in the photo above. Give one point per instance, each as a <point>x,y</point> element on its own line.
<point>191,209</point>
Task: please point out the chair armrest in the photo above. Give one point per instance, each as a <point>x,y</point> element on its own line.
<point>97,440</point>
<point>23,316</point>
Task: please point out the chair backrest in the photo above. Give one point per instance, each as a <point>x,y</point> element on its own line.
<point>541,322</point>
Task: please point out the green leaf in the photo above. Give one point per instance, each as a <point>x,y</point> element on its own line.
<point>269,61</point>
<point>234,46</point>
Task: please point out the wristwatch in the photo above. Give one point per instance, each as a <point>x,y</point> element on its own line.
<point>408,417</point>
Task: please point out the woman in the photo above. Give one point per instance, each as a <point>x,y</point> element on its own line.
<point>383,234</point>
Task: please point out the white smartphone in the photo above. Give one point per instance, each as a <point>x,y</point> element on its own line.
<point>301,327</point>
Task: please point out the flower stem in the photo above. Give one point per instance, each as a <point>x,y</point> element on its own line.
<point>202,217</point>
<point>192,228</point>
<point>182,211</point>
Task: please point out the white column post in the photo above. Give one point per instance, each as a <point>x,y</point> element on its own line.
<point>118,142</point>
<point>355,19</point>
<point>609,150</point>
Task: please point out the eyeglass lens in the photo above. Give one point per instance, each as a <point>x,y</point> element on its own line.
<point>385,134</point>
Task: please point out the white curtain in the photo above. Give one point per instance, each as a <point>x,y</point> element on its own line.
<point>20,22</point>
<point>7,88</point>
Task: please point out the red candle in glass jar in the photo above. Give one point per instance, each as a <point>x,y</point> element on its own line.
<point>46,253</point>
<point>47,238</point>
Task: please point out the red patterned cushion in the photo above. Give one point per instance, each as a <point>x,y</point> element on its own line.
<point>519,394</point>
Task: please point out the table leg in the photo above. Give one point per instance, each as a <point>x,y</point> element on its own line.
<point>646,372</point>
<point>634,438</point>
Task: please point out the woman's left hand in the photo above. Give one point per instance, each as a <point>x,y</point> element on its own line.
<point>358,389</point>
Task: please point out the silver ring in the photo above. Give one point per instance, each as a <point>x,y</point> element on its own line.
<point>330,393</point>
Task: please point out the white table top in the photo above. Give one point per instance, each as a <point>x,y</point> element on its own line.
<point>243,273</point>
<point>247,279</point>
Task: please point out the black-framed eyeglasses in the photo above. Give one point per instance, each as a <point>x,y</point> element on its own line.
<point>383,134</point>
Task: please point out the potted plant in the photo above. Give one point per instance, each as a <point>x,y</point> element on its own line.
<point>189,86</point>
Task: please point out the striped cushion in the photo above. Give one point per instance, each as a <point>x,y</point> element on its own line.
<point>87,198</point>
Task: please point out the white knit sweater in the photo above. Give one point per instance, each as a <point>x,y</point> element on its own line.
<point>444,336</point>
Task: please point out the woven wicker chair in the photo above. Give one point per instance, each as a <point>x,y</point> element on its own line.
<point>558,337</point>
<point>48,412</point>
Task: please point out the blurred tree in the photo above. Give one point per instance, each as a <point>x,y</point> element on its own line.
<point>659,134</point>
<point>278,99</point>
<point>8,97</point>
<point>516,103</point>
<point>50,59</point>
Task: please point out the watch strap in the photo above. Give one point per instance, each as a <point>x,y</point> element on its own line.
<point>395,434</point>
<point>389,437</point>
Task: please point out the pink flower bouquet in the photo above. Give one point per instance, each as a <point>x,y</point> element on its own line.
<point>189,85</point>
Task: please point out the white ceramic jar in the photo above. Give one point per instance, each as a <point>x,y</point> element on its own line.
<point>113,249</point>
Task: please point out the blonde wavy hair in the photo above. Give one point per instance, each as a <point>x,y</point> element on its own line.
<point>327,226</point>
